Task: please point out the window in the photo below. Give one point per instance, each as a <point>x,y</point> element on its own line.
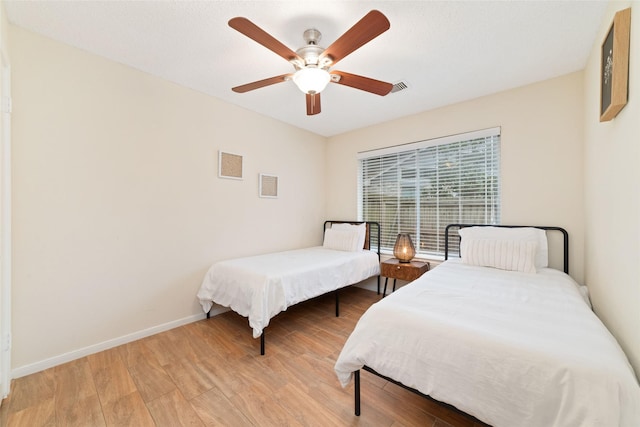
<point>421,187</point>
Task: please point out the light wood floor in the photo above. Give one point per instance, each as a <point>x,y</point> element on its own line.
<point>210,373</point>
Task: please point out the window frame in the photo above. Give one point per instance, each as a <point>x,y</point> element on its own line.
<point>492,138</point>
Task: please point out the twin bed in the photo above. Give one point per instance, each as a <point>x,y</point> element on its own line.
<point>499,335</point>
<point>260,287</point>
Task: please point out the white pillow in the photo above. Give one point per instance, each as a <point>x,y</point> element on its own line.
<point>360,228</point>
<point>526,234</point>
<point>341,240</point>
<point>512,255</point>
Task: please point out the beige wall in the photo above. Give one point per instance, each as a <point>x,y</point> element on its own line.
<point>5,209</point>
<point>541,154</point>
<point>117,207</point>
<point>612,197</point>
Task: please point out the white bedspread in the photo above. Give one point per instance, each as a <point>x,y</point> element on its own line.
<point>262,286</point>
<point>510,348</point>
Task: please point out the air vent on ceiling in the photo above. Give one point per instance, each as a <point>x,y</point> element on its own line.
<point>401,85</point>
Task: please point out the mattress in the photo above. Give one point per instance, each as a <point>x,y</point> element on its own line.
<point>509,348</point>
<point>259,287</point>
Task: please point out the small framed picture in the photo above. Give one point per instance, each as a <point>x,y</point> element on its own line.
<point>230,165</point>
<point>268,185</point>
<point>614,78</point>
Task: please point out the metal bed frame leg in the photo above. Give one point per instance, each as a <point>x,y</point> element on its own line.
<point>337,304</point>
<point>262,343</point>
<point>356,388</point>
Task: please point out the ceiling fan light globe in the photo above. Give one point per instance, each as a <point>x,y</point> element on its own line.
<point>311,80</point>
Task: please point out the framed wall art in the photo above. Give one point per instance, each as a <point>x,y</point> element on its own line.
<point>268,185</point>
<point>230,165</point>
<point>614,76</point>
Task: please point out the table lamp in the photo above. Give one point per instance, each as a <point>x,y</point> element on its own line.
<point>404,249</point>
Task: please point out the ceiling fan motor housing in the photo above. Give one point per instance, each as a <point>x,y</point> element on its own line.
<point>311,52</point>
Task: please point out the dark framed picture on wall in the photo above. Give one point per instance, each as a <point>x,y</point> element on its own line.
<point>614,71</point>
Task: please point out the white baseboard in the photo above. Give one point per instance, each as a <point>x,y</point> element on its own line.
<point>105,345</point>
<point>370,284</point>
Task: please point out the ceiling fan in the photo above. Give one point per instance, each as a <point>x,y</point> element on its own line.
<point>313,63</point>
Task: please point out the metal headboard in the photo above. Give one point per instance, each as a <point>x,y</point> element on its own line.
<point>565,237</point>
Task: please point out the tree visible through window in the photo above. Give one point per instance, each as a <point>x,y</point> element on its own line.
<point>419,188</point>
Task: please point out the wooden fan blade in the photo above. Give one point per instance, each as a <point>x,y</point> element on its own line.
<point>368,28</point>
<point>363,83</point>
<point>260,83</point>
<point>257,34</point>
<point>313,104</point>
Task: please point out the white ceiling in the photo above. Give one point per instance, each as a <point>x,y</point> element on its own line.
<point>446,51</point>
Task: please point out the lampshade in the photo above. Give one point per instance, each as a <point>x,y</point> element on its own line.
<point>311,80</point>
<point>404,249</point>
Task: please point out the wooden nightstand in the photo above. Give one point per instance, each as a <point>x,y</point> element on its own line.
<point>408,271</point>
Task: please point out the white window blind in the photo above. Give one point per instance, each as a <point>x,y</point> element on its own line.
<point>421,187</point>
